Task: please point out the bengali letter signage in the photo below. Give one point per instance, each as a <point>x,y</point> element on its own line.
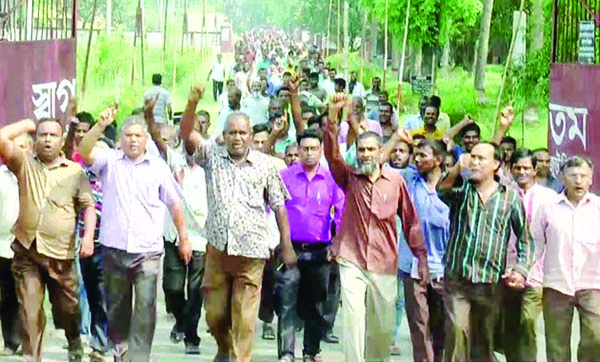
<point>574,115</point>
<point>37,79</point>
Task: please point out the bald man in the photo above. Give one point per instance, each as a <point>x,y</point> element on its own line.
<point>241,183</point>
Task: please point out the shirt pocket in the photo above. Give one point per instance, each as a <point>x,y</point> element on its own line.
<point>384,203</point>
<point>252,189</point>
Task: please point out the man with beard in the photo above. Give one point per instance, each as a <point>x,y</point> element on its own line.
<point>51,188</point>
<point>366,246</point>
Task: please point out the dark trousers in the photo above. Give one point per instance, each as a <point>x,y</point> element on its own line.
<point>302,292</point>
<point>266,311</point>
<point>92,272</point>
<point>471,315</point>
<point>425,313</point>
<point>517,325</point>
<point>558,319</point>
<point>332,304</point>
<point>175,275</point>
<point>9,306</point>
<point>131,328</point>
<point>217,89</point>
<point>33,272</point>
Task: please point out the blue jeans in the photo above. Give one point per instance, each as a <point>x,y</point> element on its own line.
<point>83,301</point>
<point>399,306</point>
<point>92,270</point>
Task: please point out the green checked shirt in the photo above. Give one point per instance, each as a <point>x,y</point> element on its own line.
<point>480,234</point>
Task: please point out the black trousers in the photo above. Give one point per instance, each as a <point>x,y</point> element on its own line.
<point>92,272</point>
<point>266,311</point>
<point>333,296</point>
<point>9,306</point>
<point>217,89</point>
<point>302,292</point>
<point>175,275</point>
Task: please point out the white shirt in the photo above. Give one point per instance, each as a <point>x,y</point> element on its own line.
<point>568,240</point>
<point>195,205</point>
<point>257,108</point>
<point>9,210</point>
<point>359,90</point>
<point>160,108</point>
<point>218,72</point>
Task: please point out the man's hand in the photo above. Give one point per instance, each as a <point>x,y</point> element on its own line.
<point>185,250</point>
<point>403,135</point>
<point>514,279</point>
<point>288,255</point>
<point>507,116</point>
<point>294,85</point>
<point>279,126</point>
<point>464,162</point>
<point>423,270</point>
<point>196,93</point>
<point>108,116</point>
<point>87,247</point>
<point>150,104</point>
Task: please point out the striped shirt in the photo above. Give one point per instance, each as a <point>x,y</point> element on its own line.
<point>480,234</point>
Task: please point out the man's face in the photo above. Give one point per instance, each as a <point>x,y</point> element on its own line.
<point>332,74</point>
<point>482,164</point>
<point>309,151</point>
<point>449,162</point>
<point>276,106</point>
<point>376,82</point>
<point>400,156</point>
<point>383,97</point>
<point>470,139</point>
<point>304,87</point>
<point>81,130</point>
<point>353,77</point>
<point>48,141</point>
<point>264,84</point>
<point>233,97</point>
<point>237,136</point>
<point>291,155</point>
<point>542,167</point>
<point>523,172</point>
<point>259,140</point>
<point>256,87</point>
<point>202,125</point>
<point>425,160</point>
<point>314,82</point>
<point>577,181</point>
<point>431,116</point>
<point>133,141</point>
<point>507,150</point>
<point>325,73</point>
<point>368,155</point>
<point>167,134</point>
<point>385,114</point>
<point>358,106</point>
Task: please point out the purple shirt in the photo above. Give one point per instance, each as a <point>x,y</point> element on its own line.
<point>135,196</point>
<point>309,209</point>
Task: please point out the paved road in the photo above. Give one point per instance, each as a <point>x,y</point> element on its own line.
<point>264,351</point>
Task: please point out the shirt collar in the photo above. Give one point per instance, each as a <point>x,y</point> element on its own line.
<point>562,197</point>
<point>62,161</point>
<point>386,172</point>
<point>251,157</point>
<point>298,169</point>
<point>122,155</point>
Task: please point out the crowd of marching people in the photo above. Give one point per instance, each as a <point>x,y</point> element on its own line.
<point>306,193</point>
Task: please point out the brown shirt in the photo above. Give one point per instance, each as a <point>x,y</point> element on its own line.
<point>49,198</point>
<point>368,234</point>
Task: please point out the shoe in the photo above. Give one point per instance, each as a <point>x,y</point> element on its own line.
<point>7,352</point>
<point>222,357</point>
<point>309,359</point>
<point>75,348</point>
<point>287,358</point>
<point>96,356</point>
<point>192,348</point>
<point>395,349</point>
<point>176,337</point>
<point>268,333</point>
<point>329,337</point>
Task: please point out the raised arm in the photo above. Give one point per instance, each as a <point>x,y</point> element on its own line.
<point>153,127</point>
<point>331,147</point>
<point>400,135</point>
<point>295,103</point>
<point>12,155</point>
<point>452,132</point>
<point>87,144</point>
<point>507,117</point>
<point>449,181</point>
<point>191,139</point>
<point>278,129</point>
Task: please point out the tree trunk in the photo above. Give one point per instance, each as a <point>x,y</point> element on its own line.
<point>396,42</point>
<point>537,20</point>
<point>374,30</point>
<point>417,58</point>
<point>108,17</point>
<point>445,60</point>
<point>482,52</point>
